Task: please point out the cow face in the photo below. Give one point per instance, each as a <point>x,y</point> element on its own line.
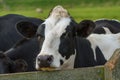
<point>59,31</point>
<point>9,66</point>
<point>58,49</point>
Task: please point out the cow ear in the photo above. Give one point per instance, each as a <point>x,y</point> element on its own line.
<point>26,29</point>
<point>85,28</point>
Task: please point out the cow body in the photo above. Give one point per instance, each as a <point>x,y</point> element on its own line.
<point>69,45</point>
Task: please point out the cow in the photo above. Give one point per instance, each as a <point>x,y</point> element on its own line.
<point>9,66</point>
<point>69,45</point>
<point>8,32</point>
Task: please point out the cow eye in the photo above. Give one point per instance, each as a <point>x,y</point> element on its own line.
<point>65,35</point>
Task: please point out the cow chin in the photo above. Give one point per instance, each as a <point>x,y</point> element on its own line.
<point>47,69</point>
<point>50,68</point>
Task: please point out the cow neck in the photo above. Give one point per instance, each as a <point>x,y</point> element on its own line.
<point>84,53</point>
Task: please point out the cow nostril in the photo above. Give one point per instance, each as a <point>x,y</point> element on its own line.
<point>38,58</point>
<point>50,59</point>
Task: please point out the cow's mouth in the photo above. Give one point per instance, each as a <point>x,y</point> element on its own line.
<point>47,69</point>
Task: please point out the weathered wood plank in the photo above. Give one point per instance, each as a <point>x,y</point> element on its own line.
<point>92,73</point>
<point>113,66</point>
<point>116,70</point>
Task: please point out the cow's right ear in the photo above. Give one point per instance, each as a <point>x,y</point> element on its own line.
<point>85,28</point>
<point>26,29</point>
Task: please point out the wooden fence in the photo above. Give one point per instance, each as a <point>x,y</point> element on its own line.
<point>109,71</point>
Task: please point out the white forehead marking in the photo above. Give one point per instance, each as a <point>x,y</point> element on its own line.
<point>52,41</point>
<point>52,37</point>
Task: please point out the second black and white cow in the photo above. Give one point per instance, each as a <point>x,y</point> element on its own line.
<point>69,45</point>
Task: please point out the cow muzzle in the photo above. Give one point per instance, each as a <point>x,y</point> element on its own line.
<point>44,62</point>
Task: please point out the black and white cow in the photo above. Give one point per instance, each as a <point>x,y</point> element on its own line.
<point>9,66</point>
<point>70,45</point>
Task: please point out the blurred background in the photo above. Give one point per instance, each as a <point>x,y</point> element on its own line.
<point>78,9</point>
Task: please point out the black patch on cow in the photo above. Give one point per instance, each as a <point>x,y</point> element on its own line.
<point>84,53</point>
<point>41,30</point>
<point>2,55</point>
<point>99,30</point>
<point>99,56</point>
<point>61,62</point>
<point>66,47</point>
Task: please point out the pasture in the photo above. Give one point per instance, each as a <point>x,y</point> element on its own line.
<point>79,10</point>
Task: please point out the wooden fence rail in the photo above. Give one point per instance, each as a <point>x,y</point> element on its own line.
<point>109,71</point>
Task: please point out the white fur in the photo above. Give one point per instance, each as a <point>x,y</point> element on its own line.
<point>107,30</point>
<point>107,43</point>
<point>69,64</point>
<point>11,49</point>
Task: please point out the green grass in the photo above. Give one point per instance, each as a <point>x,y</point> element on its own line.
<point>77,13</point>
<point>30,4</point>
<point>78,9</point>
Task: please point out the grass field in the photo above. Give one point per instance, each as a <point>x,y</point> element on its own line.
<point>79,10</point>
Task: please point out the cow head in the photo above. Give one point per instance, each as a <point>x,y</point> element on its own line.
<point>59,31</point>
<point>9,66</point>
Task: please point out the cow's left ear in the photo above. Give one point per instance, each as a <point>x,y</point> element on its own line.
<point>85,28</point>
<point>27,29</point>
